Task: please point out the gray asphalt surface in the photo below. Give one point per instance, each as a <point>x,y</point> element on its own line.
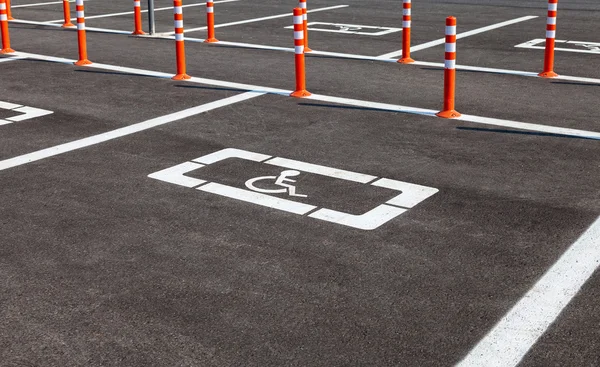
<point>101,265</point>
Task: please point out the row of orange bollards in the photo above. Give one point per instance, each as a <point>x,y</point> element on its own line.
<point>300,42</point>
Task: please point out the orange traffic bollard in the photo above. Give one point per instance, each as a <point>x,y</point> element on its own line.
<point>406,22</point>
<point>302,5</point>
<point>8,11</point>
<point>67,14</point>
<point>137,18</point>
<point>4,28</point>
<point>550,37</point>
<point>179,43</point>
<point>210,22</point>
<point>81,37</point>
<point>299,55</point>
<point>450,71</point>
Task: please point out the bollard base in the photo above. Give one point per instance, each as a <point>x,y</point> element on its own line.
<point>548,74</point>
<point>406,60</point>
<point>307,49</point>
<point>300,93</point>
<point>138,33</point>
<point>449,114</point>
<point>68,25</point>
<point>7,50</point>
<point>181,77</point>
<point>211,40</point>
<point>10,18</point>
<point>83,62</point>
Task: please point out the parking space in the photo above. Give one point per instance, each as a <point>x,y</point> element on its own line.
<point>219,222</point>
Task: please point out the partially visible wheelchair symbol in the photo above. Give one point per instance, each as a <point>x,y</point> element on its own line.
<point>282,181</point>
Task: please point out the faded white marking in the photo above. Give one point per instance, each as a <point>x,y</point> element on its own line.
<point>514,335</point>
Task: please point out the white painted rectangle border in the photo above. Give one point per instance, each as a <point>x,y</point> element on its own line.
<point>382,30</point>
<point>533,44</point>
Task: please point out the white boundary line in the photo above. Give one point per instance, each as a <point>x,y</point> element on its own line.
<point>510,340</point>
<point>258,19</point>
<point>143,11</point>
<point>332,99</point>
<point>532,45</point>
<point>11,59</point>
<point>441,41</point>
<point>127,130</point>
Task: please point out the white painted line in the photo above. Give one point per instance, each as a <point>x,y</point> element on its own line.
<point>510,340</point>
<point>9,106</point>
<point>87,17</point>
<point>321,170</point>
<point>257,198</point>
<point>369,221</point>
<point>344,101</point>
<point>231,153</point>
<point>411,194</point>
<point>28,113</point>
<point>441,41</point>
<point>41,4</point>
<point>588,47</point>
<point>259,19</point>
<point>175,175</point>
<point>7,59</point>
<point>118,133</point>
<point>91,29</point>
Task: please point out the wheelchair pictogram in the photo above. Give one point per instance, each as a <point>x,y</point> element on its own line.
<point>282,181</point>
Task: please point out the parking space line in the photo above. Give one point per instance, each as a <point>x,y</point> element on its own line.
<point>458,36</point>
<point>143,11</point>
<point>127,130</point>
<point>331,99</point>
<point>258,19</point>
<point>510,340</point>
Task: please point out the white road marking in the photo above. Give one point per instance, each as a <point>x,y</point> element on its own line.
<point>143,11</point>
<point>257,198</point>
<point>350,29</point>
<point>7,59</point>
<point>175,175</point>
<point>510,340</point>
<point>410,194</point>
<point>127,130</point>
<point>369,221</point>
<point>91,29</point>
<point>41,4</point>
<point>321,170</point>
<point>341,100</point>
<point>441,41</point>
<point>258,19</point>
<point>588,47</point>
<point>25,113</point>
